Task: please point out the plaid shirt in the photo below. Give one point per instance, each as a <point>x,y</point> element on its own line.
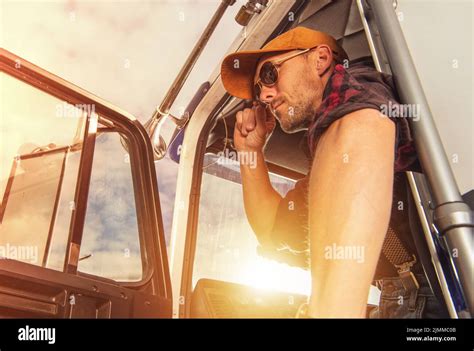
<point>345,94</point>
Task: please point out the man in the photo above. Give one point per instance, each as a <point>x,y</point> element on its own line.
<point>344,205</point>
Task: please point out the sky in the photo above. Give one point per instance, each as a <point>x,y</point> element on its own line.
<point>126,52</point>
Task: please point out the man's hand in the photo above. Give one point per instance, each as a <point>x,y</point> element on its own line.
<point>252,127</point>
<point>261,201</point>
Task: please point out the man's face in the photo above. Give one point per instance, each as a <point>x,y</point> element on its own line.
<point>297,93</point>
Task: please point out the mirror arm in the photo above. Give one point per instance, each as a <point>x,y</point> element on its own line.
<point>159,145</point>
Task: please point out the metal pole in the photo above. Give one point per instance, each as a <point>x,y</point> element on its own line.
<point>153,124</point>
<point>453,217</point>
<point>428,142</point>
<point>183,74</point>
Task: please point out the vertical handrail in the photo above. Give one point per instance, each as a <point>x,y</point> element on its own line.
<point>453,217</point>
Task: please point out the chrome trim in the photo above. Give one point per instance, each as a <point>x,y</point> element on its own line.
<point>425,224</point>
<point>368,35</point>
<point>431,154</point>
<point>378,50</point>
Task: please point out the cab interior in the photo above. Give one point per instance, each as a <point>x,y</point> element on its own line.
<point>286,157</point>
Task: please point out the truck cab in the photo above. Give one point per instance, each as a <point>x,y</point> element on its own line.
<point>82,232</point>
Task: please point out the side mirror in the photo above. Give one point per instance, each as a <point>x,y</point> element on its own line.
<point>161,129</point>
<point>166,130</point>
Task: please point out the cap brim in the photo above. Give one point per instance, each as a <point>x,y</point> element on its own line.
<point>238,70</point>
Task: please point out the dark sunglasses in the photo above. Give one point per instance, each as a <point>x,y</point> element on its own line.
<point>269,71</point>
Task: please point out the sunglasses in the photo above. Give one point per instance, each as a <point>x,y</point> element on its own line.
<point>269,71</point>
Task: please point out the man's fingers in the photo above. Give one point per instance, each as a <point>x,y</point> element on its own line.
<point>261,115</point>
<point>265,120</point>
<point>248,121</point>
<point>238,120</point>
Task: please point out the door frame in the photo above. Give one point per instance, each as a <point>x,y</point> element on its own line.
<point>152,296</point>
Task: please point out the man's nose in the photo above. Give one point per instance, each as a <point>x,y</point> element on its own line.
<point>267,94</point>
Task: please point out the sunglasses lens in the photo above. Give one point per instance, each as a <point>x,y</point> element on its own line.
<point>268,74</point>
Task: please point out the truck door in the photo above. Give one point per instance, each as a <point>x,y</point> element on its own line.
<point>81,232</point>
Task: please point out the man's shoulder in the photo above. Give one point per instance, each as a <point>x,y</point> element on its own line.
<point>358,125</point>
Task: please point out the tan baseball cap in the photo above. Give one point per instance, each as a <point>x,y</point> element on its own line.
<point>238,69</point>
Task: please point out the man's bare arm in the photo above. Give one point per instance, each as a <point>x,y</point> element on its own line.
<point>350,196</point>
<point>261,200</point>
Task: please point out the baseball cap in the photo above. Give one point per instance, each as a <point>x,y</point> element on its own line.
<point>238,69</point>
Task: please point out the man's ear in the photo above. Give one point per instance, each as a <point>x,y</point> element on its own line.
<point>323,59</point>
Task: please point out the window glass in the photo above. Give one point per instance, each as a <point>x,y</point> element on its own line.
<point>226,245</point>
<point>40,139</point>
<point>111,244</point>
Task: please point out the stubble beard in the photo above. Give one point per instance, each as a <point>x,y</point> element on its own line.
<point>297,117</point>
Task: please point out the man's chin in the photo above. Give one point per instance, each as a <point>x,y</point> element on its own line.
<point>290,128</point>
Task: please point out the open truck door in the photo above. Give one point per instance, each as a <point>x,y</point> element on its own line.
<point>81,232</point>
